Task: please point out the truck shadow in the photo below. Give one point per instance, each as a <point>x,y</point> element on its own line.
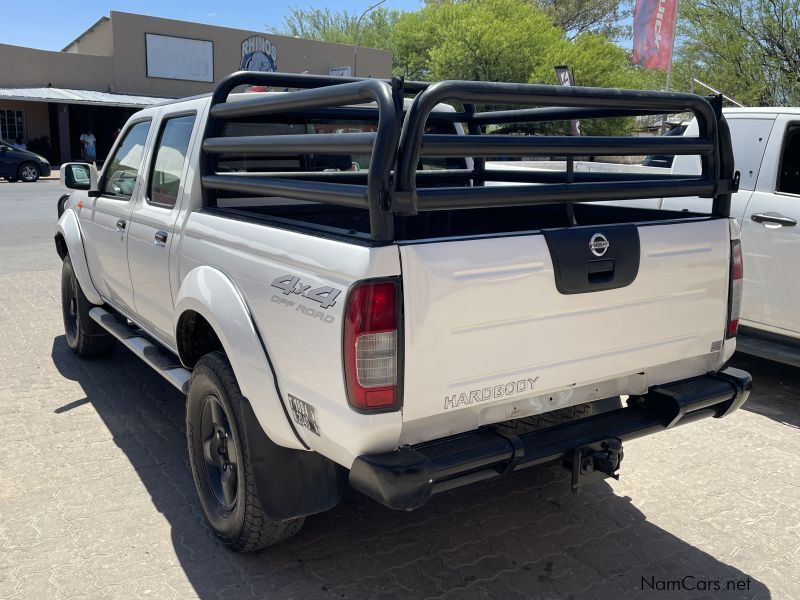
<point>524,536</point>
<point>782,402</point>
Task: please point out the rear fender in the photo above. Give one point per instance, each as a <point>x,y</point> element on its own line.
<point>68,233</point>
<point>211,293</point>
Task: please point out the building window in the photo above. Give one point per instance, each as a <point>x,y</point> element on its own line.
<point>12,125</point>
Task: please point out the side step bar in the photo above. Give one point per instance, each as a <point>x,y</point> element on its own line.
<point>405,478</point>
<point>161,360</point>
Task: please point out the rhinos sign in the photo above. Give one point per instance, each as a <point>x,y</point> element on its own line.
<point>259,54</point>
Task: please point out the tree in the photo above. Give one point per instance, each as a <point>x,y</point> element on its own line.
<point>748,49</point>
<point>489,40</point>
<point>511,40</point>
<point>588,16</point>
<point>339,27</point>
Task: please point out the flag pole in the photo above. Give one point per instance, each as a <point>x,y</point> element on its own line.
<point>669,64</point>
<point>672,47</point>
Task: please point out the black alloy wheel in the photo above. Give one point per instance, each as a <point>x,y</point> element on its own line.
<point>220,453</point>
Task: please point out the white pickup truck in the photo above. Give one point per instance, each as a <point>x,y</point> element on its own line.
<point>766,147</point>
<point>346,294</point>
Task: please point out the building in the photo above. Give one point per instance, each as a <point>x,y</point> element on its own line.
<point>128,61</point>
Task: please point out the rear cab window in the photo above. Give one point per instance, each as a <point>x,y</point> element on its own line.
<point>169,160</point>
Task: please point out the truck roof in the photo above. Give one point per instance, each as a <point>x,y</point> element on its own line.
<point>763,110</point>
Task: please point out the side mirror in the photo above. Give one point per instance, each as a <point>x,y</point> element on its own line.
<point>78,176</point>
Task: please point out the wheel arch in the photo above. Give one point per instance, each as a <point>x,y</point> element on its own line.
<point>69,242</point>
<point>210,313</point>
<point>210,306</point>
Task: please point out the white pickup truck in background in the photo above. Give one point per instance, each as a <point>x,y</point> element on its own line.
<point>766,147</point>
<point>346,294</point>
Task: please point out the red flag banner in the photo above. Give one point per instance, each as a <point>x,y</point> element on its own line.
<point>654,33</point>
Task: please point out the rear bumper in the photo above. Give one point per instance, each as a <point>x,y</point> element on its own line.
<point>406,478</point>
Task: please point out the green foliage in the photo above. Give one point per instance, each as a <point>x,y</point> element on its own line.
<point>488,40</point>
<point>492,40</point>
<point>748,49</point>
<point>597,62</point>
<point>339,27</point>
<point>588,16</point>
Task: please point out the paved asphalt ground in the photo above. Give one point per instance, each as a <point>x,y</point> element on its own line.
<point>96,498</point>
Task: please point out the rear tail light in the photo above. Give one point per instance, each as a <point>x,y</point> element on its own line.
<point>735,288</point>
<point>371,345</point>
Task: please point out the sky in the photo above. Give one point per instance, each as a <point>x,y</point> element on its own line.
<point>56,23</point>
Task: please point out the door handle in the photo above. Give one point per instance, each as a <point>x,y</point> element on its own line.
<point>773,217</point>
<point>121,224</point>
<point>161,238</point>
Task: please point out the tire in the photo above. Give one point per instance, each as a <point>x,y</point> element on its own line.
<point>548,419</point>
<point>28,172</point>
<point>220,460</point>
<point>84,336</point>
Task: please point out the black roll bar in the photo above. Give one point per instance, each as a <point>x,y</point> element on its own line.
<point>570,102</point>
<point>393,184</point>
<point>324,92</point>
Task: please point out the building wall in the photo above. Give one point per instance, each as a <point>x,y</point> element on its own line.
<point>125,70</point>
<point>36,119</point>
<point>294,55</point>
<point>26,67</point>
<point>97,40</point>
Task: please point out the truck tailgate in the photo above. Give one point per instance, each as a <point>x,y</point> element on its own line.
<point>486,324</point>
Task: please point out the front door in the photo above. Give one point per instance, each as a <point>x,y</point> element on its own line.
<point>153,224</point>
<point>771,237</point>
<point>105,218</point>
<point>8,166</point>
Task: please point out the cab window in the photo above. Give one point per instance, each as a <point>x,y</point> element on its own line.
<point>123,168</point>
<point>170,157</point>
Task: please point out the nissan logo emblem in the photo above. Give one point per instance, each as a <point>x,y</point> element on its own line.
<point>598,244</point>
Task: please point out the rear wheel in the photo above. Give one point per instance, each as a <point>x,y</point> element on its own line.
<point>28,172</point>
<point>220,459</point>
<point>84,336</point>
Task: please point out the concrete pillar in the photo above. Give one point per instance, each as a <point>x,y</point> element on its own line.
<point>63,132</point>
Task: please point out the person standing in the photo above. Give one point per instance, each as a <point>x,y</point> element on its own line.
<point>19,144</point>
<point>88,146</point>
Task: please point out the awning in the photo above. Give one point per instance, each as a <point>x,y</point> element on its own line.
<point>67,96</point>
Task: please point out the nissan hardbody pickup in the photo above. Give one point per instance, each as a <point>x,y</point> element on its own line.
<point>348,294</point>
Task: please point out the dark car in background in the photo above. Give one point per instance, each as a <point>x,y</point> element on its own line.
<point>21,165</point>
<point>665,160</point>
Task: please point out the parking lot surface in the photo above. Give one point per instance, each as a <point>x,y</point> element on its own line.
<point>97,500</point>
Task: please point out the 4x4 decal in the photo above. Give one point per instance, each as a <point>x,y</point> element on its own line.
<point>291,284</point>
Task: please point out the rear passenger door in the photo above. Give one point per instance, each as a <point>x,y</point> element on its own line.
<point>153,224</point>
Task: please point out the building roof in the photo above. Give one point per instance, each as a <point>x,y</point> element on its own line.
<point>68,96</point>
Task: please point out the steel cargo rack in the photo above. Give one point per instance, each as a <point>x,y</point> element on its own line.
<point>393,184</point>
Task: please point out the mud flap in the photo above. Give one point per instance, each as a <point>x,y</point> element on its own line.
<point>291,483</point>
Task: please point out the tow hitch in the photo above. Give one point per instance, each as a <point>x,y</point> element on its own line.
<point>594,462</point>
